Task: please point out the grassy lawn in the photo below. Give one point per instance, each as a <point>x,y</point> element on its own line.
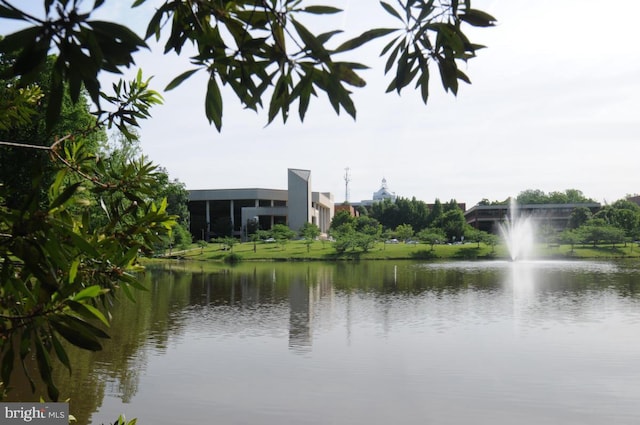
<point>299,251</point>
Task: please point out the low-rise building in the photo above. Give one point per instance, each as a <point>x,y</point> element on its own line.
<point>488,217</point>
<point>635,199</point>
<point>224,212</point>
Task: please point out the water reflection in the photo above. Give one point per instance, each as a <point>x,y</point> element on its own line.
<point>379,342</point>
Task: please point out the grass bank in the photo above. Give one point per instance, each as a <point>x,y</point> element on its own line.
<point>324,251</point>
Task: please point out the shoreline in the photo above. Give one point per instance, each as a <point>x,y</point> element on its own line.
<point>299,251</point>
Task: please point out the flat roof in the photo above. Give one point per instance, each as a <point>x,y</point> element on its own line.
<point>230,194</point>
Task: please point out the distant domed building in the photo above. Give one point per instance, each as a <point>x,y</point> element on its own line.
<point>384,193</point>
<point>379,195</point>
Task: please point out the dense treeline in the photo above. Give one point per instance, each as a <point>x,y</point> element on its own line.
<point>418,214</point>
<point>612,224</point>
<point>537,196</point>
<point>412,220</point>
<point>408,220</point>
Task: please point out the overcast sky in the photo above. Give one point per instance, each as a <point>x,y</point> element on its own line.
<point>554,105</point>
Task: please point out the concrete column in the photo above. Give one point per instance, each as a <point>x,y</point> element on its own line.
<point>208,220</point>
<point>323,219</point>
<point>272,204</point>
<point>233,224</point>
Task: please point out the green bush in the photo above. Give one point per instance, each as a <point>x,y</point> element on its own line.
<point>232,258</point>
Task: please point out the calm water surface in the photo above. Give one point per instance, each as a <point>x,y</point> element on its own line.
<point>373,343</point>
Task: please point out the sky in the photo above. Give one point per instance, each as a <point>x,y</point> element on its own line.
<point>554,104</point>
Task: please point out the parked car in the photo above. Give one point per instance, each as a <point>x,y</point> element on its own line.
<point>391,241</point>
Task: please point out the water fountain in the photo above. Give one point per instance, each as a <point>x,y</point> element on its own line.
<point>517,231</point>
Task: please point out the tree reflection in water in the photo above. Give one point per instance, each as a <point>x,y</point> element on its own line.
<point>302,303</point>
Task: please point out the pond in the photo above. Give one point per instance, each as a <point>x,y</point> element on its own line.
<point>541,342</point>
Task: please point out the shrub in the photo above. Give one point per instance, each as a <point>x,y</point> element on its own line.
<point>232,258</point>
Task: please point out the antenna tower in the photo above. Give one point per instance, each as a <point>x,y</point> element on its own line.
<point>347,179</point>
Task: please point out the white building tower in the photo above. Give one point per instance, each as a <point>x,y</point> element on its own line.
<point>384,193</point>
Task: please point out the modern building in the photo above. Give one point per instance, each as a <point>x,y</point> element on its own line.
<point>224,212</point>
<point>488,217</point>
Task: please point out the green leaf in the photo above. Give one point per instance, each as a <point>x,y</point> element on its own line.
<point>311,42</point>
<point>345,72</point>
<point>88,311</point>
<point>478,18</point>
<point>279,99</point>
<point>127,293</point>
<point>391,10</point>
<point>132,281</point>
<point>128,257</point>
<point>305,97</point>
<point>363,38</point>
<point>448,74</point>
<point>7,364</point>
<point>324,37</point>
<point>65,196</point>
<point>73,270</point>
<point>154,23</point>
<point>403,72</point>
<point>75,333</point>
<point>180,79</point>
<point>392,57</point>
<point>89,292</point>
<point>347,103</point>
<point>425,10</point>
<point>44,366</point>
<point>423,81</point>
<point>9,13</point>
<point>18,40</point>
<point>60,351</point>
<point>128,39</point>
<point>321,10</point>
<point>56,94</point>
<point>81,243</point>
<point>462,76</point>
<point>97,314</point>
<point>213,103</point>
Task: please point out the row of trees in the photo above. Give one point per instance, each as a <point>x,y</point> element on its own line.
<point>406,219</point>
<point>615,223</point>
<point>445,224</point>
<point>419,215</point>
<point>537,196</point>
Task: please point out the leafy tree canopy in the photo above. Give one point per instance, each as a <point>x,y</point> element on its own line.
<point>536,196</point>
<point>263,50</point>
<point>72,225</point>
